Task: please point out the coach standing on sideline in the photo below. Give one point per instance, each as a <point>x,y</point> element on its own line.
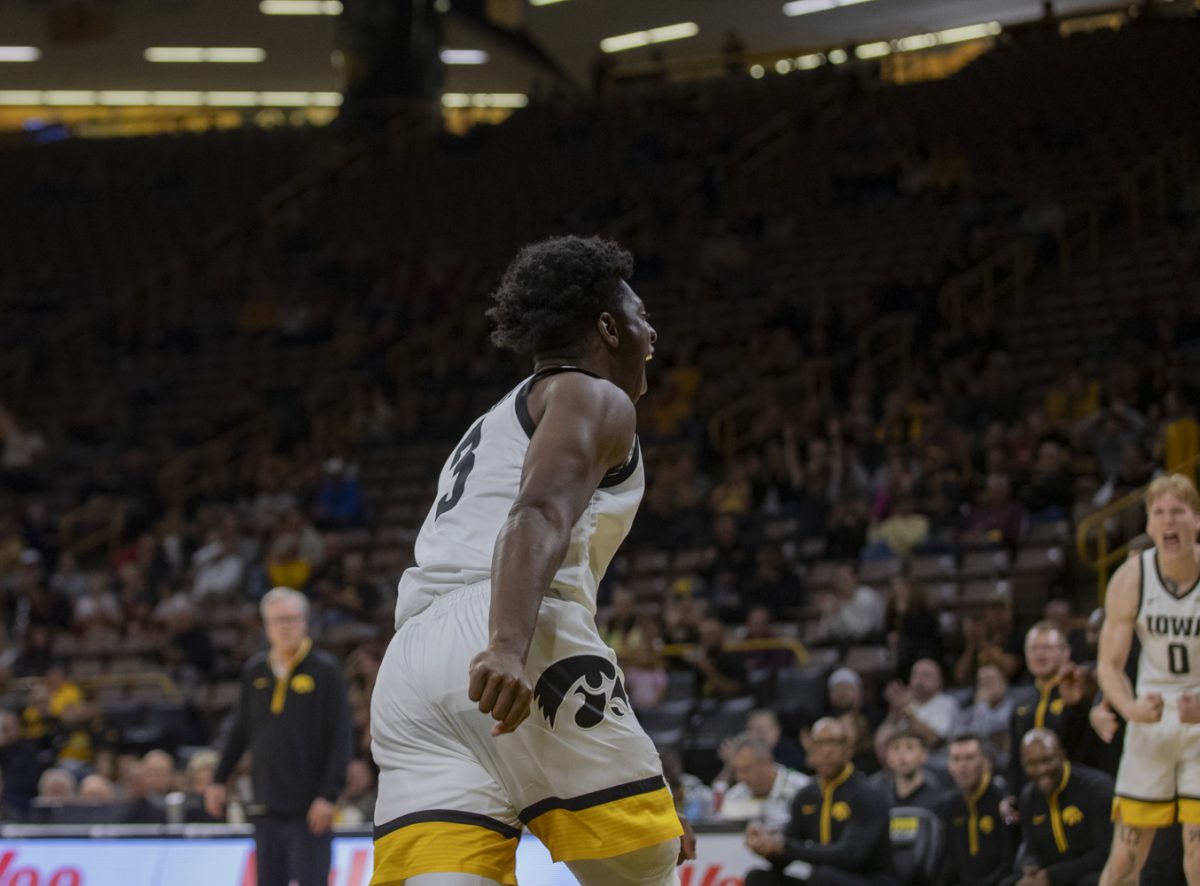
<point>293,716</point>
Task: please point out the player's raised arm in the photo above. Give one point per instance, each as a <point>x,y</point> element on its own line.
<point>587,429</point>
<point>1116,640</point>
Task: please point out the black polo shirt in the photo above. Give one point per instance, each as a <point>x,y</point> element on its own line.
<point>297,729</point>
<point>981,848</point>
<point>1043,707</point>
<point>1068,833</point>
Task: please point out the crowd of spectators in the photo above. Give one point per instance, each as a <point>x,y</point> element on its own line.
<point>865,476</point>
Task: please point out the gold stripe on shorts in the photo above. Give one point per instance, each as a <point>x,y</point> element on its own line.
<point>1189,810</point>
<point>605,823</point>
<point>1144,813</point>
<point>445,841</point>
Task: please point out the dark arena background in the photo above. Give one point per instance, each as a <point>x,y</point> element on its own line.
<point>926,277</point>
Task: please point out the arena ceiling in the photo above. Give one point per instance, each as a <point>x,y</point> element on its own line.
<point>297,50</point>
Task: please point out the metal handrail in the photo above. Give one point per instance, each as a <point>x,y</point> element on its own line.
<point>103,681</point>
<point>814,379</point>
<point>1146,181</point>
<point>108,512</point>
<point>798,649</point>
<point>179,476</point>
<point>982,287</point>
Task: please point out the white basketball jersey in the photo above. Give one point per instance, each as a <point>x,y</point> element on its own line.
<point>476,490</point>
<point>1168,627</point>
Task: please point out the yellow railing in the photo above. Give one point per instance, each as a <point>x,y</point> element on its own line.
<point>886,345</point>
<point>1145,186</point>
<point>89,685</point>
<point>1091,537</point>
<point>679,650</point>
<point>184,474</point>
<point>1078,241</point>
<point>99,523</point>
<point>999,277</point>
<point>727,427</point>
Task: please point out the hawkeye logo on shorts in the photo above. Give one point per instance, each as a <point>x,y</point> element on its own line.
<point>592,678</point>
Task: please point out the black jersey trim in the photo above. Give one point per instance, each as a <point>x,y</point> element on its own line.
<point>449,816</point>
<point>522,398</point>
<point>595,798</point>
<point>1166,587</point>
<point>1141,583</point>
<point>617,476</point>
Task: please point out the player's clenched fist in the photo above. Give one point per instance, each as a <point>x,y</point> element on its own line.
<point>1189,707</point>
<point>1147,709</point>
<point>499,684</point>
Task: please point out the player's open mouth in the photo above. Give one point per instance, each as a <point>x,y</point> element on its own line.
<point>1171,539</point>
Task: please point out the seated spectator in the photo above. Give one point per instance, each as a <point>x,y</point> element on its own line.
<point>839,823</point>
<point>339,499</point>
<point>357,802</point>
<point>1049,492</point>
<point>995,520</point>
<point>720,674</point>
<point>218,567</point>
<point>912,627</point>
<point>758,627</point>
<point>989,715</point>
<point>646,677</point>
<point>1060,698</point>
<point>897,534</point>
<point>158,773</point>
<point>852,613</point>
<point>980,846</point>
<point>921,705</point>
<point>97,608</point>
<point>350,597</point>
<point>763,789</point>
<point>993,640</point>
<point>620,629</point>
<point>187,646</point>
<point>763,723</point>
<point>906,781</point>
<point>1066,826</point>
<point>295,553</point>
<point>56,786</point>
<point>9,814</point>
<point>200,769</point>
<point>95,788</point>
<point>19,759</point>
<point>1059,612</point>
<point>847,702</point>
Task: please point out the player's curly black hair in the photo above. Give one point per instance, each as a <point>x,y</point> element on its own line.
<point>554,290</point>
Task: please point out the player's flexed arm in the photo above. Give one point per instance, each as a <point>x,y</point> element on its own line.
<point>587,428</point>
<point>1116,639</point>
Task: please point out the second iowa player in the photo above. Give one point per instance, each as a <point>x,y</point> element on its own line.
<point>1156,597</point>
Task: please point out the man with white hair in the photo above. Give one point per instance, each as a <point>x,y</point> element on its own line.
<point>294,718</point>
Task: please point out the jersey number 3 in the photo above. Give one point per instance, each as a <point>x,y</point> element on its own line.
<point>460,467</point>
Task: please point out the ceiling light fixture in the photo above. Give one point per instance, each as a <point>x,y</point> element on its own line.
<point>621,42</point>
<point>300,7</point>
<point>464,57</point>
<point>873,50</point>
<point>807,7</point>
<point>484,100</point>
<point>19,53</point>
<point>196,54</point>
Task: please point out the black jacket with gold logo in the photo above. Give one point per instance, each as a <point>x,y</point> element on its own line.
<point>1043,707</point>
<point>1068,833</point>
<point>842,824</point>
<point>980,847</point>
<point>298,730</point>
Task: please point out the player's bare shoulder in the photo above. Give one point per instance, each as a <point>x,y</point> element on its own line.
<point>1124,593</point>
<point>578,397</point>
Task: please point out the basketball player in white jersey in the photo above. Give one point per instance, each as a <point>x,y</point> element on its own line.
<point>498,611</point>
<point>1156,597</point>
